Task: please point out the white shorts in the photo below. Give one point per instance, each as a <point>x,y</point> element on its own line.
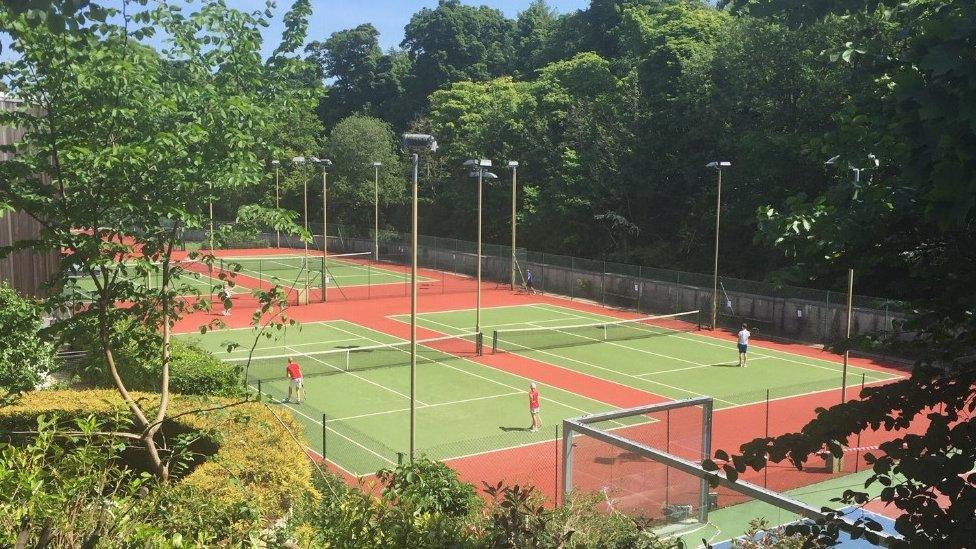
<point>296,383</point>
<point>533,411</point>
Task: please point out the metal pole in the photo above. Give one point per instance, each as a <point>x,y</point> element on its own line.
<point>477,319</point>
<point>305,260</point>
<point>514,191</point>
<point>567,460</point>
<point>210,207</point>
<point>376,213</point>
<point>325,235</point>
<point>413,311</point>
<point>277,202</point>
<point>850,318</point>
<point>323,436</point>
<point>718,217</point>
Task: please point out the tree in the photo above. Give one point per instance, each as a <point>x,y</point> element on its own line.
<point>535,26</point>
<point>912,213</point>
<point>350,59</point>
<point>113,182</point>
<point>455,42</point>
<point>24,356</point>
<point>353,145</point>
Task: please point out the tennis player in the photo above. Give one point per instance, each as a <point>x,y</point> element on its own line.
<point>294,372</point>
<point>534,407</point>
<point>224,296</point>
<point>744,335</point>
<point>529,282</point>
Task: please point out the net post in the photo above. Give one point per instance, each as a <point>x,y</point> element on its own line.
<point>479,345</point>
<point>567,459</point>
<point>348,359</point>
<point>324,429</point>
<point>706,454</point>
<point>494,342</point>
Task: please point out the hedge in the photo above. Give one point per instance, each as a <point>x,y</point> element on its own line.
<point>192,371</point>
<point>256,462</point>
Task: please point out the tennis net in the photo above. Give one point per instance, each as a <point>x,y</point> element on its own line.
<point>550,337</point>
<point>337,361</point>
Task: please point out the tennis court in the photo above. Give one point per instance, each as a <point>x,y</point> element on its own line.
<point>190,278</point>
<point>661,355</point>
<point>358,379</point>
<point>296,271</point>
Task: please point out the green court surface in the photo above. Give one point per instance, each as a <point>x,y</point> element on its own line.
<point>191,280</point>
<point>463,408</point>
<point>730,522</point>
<point>667,358</point>
<point>343,271</point>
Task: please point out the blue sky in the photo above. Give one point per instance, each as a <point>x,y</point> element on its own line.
<point>328,16</point>
<point>388,16</point>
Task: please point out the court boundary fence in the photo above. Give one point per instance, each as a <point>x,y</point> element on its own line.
<point>584,426</point>
<point>796,313</point>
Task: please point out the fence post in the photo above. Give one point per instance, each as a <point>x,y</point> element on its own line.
<point>555,495</point>
<point>567,460</point>
<point>826,328</point>
<point>766,468</point>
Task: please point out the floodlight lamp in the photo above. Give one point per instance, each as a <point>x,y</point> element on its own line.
<point>478,163</point>
<point>832,160</point>
<point>874,159</point>
<point>324,162</point>
<point>377,164</point>
<point>275,162</point>
<point>298,160</point>
<point>513,164</point>
<point>483,175</point>
<point>718,165</point>
<point>418,142</point>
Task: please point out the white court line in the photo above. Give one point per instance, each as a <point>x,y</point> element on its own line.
<point>319,423</point>
<point>444,364</point>
<point>724,346</point>
<point>328,342</point>
<point>545,441</point>
<point>697,367</point>
<point>529,349</point>
<point>430,406</point>
<point>356,376</point>
<point>594,366</point>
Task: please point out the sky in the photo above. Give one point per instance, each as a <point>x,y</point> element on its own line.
<point>328,16</point>
<point>388,16</point>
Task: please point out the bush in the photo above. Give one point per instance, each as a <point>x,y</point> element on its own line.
<point>192,371</point>
<point>24,357</point>
<point>428,487</point>
<point>251,476</point>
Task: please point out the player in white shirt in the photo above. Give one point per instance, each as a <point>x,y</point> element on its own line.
<point>744,334</point>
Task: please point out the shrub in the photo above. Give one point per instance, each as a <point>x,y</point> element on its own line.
<point>24,357</point>
<point>428,487</point>
<point>192,371</point>
<point>251,477</point>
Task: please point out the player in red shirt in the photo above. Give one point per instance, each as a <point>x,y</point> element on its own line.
<point>294,372</point>
<point>534,407</point>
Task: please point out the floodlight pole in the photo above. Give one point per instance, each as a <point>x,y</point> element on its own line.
<point>514,167</point>
<point>277,166</point>
<point>305,260</point>
<point>325,233</point>
<point>477,317</point>
<point>850,318</point>
<point>376,211</point>
<point>210,208</point>
<point>718,224</point>
<point>413,309</point>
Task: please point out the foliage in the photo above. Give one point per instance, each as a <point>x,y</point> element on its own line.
<point>112,181</point>
<point>239,471</point>
<point>353,145</point>
<point>424,486</point>
<point>762,535</point>
<point>193,371</point>
<point>25,356</point>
